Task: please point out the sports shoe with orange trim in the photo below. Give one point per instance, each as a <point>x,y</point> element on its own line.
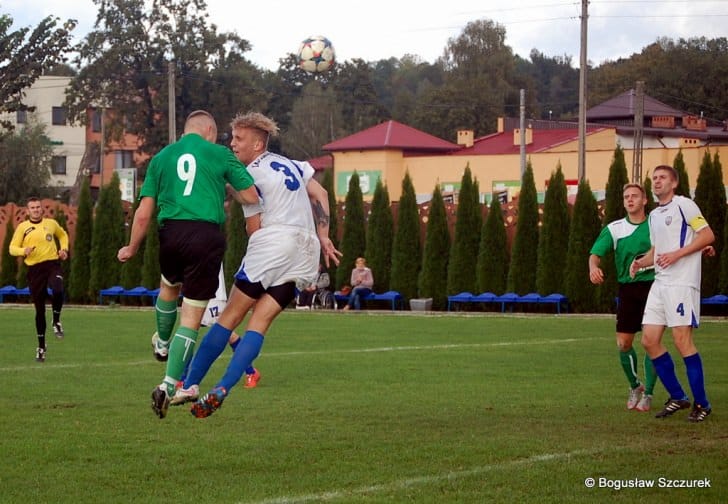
<point>251,380</point>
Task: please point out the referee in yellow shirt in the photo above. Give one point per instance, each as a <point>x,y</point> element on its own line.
<point>34,241</point>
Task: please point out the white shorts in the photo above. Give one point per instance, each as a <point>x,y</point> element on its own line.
<point>280,254</point>
<point>213,311</point>
<point>216,305</point>
<point>672,306</point>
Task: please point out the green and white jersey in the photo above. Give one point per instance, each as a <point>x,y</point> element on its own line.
<point>187,179</point>
<point>628,241</point>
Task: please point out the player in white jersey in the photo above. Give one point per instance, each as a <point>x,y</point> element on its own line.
<point>289,230</point>
<point>678,232</point>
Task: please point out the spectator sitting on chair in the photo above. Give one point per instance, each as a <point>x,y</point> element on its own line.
<point>362,282</point>
<point>305,297</point>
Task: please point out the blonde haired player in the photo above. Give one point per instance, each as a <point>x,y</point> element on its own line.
<point>292,223</point>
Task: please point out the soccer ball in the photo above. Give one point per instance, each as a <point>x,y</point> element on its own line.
<point>316,54</point>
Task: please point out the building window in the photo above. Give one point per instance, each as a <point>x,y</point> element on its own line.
<point>58,165</point>
<point>96,121</point>
<point>21,116</point>
<point>59,116</point>
<point>124,159</point>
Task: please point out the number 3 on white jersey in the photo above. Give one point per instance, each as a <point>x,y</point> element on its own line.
<point>186,169</point>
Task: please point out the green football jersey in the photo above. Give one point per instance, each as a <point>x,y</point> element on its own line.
<point>187,179</point>
<point>628,241</point>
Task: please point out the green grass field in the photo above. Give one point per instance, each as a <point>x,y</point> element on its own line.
<point>355,407</point>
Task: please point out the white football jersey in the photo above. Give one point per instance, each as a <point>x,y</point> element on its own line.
<point>281,185</point>
<point>672,226</point>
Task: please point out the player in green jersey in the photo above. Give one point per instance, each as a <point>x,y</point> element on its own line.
<point>629,237</point>
<point>187,180</point>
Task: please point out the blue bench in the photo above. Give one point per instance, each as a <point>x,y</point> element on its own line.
<point>509,299</point>
<point>11,290</point>
<point>718,299</point>
<point>119,291</point>
<point>393,297</point>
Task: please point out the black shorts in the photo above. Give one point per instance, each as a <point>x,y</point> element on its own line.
<point>190,253</point>
<point>632,299</point>
<point>45,275</point>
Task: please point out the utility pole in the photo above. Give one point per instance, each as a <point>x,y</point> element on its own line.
<point>639,122</point>
<point>171,103</point>
<point>523,132</point>
<point>582,92</point>
<point>102,148</point>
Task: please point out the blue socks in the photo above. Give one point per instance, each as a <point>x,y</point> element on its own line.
<point>694,369</point>
<point>244,355</point>
<point>665,368</point>
<point>250,369</point>
<point>210,349</point>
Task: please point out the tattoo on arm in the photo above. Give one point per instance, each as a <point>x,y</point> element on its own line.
<point>319,214</point>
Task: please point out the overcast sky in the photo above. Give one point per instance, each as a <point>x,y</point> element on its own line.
<point>378,29</point>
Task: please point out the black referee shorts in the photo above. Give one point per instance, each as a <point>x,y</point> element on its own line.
<point>190,253</point>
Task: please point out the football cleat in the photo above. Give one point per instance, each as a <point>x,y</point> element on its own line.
<point>634,396</point>
<point>699,413</point>
<point>160,348</point>
<point>58,330</point>
<point>160,400</point>
<point>251,380</point>
<point>673,406</point>
<point>645,403</point>
<point>185,395</point>
<point>209,403</point>
<point>40,354</point>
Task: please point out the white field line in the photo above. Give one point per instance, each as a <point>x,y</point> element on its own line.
<point>409,348</point>
<point>405,483</point>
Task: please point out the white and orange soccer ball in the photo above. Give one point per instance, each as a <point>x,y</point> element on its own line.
<point>316,54</point>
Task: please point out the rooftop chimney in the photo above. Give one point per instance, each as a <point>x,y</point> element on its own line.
<point>465,138</point>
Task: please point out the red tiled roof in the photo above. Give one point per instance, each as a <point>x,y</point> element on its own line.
<point>391,135</point>
<point>322,162</point>
<point>543,140</point>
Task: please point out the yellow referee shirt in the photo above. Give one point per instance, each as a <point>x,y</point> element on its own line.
<point>40,236</point>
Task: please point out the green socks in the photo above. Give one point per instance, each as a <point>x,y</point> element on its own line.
<point>628,360</point>
<point>180,353</point>
<point>650,375</point>
<point>166,312</point>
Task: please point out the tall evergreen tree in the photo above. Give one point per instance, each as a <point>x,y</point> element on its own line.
<point>613,210</point>
<point>62,220</point>
<point>469,219</point>
<point>9,265</point>
<point>553,239</point>
<point>328,184</point>
<point>151,272</point>
<point>723,258</point>
<point>708,192</point>
<point>524,254</point>
<point>436,254</point>
<point>78,288</point>
<point>492,273</point>
<point>651,204</point>
<point>718,216</point>
<point>237,241</point>
<point>683,186</point>
<point>406,250</point>
<point>21,281</point>
<point>131,270</point>
<point>108,237</point>
<point>585,227</point>
<point>380,233</point>
<point>353,241</point>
